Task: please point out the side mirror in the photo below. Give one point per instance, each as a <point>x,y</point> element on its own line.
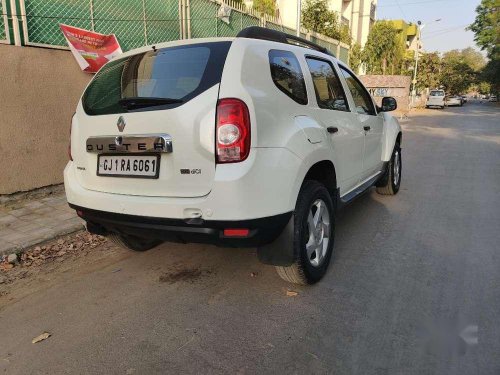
<point>389,104</point>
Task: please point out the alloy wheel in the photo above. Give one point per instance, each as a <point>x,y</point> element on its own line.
<point>318,225</point>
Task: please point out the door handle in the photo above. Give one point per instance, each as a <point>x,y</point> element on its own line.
<point>332,129</point>
<point>367,128</point>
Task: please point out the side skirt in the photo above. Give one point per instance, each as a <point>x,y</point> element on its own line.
<point>348,198</point>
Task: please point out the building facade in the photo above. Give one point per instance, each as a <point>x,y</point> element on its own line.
<point>408,33</point>
<point>359,15</point>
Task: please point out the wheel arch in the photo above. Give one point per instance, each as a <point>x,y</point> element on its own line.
<point>323,171</point>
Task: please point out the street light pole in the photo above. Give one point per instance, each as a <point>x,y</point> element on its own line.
<point>299,12</point>
<point>414,82</point>
<point>417,54</point>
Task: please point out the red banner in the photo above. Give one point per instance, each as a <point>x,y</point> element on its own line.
<point>91,50</point>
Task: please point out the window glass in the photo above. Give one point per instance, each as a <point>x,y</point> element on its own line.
<point>362,98</point>
<point>329,92</point>
<point>437,93</point>
<point>287,75</point>
<point>177,73</point>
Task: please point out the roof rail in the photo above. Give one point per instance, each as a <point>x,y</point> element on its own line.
<point>257,32</point>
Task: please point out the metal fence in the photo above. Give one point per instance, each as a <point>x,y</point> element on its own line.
<point>4,29</point>
<point>141,22</point>
<point>135,23</point>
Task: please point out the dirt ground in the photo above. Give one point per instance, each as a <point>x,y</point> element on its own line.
<point>49,262</point>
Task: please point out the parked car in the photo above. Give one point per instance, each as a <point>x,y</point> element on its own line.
<point>454,100</point>
<point>493,98</point>
<point>436,99</point>
<point>252,141</point>
<point>464,99</point>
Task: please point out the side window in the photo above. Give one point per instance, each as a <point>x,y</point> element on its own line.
<point>329,92</point>
<point>362,98</point>
<point>287,75</point>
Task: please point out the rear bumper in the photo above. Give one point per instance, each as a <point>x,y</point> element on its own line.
<point>261,231</point>
<point>248,190</point>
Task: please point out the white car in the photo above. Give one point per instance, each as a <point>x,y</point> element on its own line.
<point>252,141</point>
<point>436,99</point>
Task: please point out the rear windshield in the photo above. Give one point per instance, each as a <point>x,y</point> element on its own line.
<point>437,93</point>
<point>152,80</point>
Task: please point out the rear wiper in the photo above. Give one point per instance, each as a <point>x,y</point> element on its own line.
<point>141,102</point>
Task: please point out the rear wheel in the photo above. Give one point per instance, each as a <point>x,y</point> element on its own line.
<point>132,242</point>
<point>392,180</point>
<point>314,229</point>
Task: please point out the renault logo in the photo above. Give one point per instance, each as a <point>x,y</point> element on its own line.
<point>121,123</point>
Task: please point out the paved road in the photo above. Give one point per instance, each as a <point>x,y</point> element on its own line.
<point>414,288</point>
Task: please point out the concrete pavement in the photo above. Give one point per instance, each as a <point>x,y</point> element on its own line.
<point>29,222</point>
<point>414,287</point>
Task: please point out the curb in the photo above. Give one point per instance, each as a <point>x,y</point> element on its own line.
<point>49,237</point>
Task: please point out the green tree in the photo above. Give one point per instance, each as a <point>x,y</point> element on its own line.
<point>491,75</point>
<point>265,6</point>
<point>457,75</point>
<point>317,17</point>
<point>473,58</point>
<point>407,64</point>
<point>429,71</point>
<point>484,88</point>
<point>486,28</point>
<point>355,55</point>
<point>383,53</point>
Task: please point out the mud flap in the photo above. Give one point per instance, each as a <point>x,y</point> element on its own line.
<point>280,251</point>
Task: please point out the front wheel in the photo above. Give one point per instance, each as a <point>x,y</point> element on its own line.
<point>132,242</point>
<point>390,184</point>
<point>314,229</point>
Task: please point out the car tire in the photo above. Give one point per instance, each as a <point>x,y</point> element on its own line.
<point>391,181</point>
<point>132,242</point>
<point>314,234</point>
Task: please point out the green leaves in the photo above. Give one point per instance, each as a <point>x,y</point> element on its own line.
<point>316,16</point>
<point>355,56</point>
<point>486,28</point>
<point>383,52</point>
<point>265,6</point>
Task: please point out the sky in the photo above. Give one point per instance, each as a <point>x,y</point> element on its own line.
<point>442,36</point>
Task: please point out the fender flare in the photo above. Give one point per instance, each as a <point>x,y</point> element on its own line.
<point>280,252</point>
<point>392,133</point>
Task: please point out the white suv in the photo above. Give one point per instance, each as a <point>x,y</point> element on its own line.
<point>250,141</point>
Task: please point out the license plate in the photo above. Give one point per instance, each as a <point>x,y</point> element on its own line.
<point>138,166</point>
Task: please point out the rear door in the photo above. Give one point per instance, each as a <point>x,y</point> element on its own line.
<point>155,108</point>
<point>370,121</point>
<point>346,134</point>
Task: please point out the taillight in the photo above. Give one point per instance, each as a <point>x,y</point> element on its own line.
<point>69,145</point>
<point>232,138</point>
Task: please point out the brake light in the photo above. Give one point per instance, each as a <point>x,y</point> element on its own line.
<point>232,138</point>
<point>69,145</point>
